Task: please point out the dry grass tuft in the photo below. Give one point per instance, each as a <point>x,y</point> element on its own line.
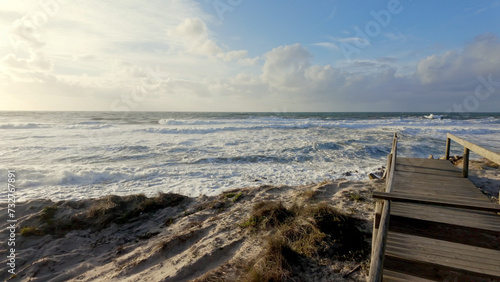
<point>275,264</point>
<point>267,214</point>
<point>48,213</point>
<point>102,212</point>
<point>314,232</point>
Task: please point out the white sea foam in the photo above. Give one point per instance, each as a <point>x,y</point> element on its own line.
<point>79,155</point>
<point>23,125</point>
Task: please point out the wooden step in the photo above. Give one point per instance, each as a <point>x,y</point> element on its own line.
<point>440,260</point>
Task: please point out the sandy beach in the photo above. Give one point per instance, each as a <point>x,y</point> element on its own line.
<point>202,238</point>
<point>304,233</point>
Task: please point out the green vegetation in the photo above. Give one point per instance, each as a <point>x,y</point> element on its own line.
<point>356,197</point>
<point>31,231</point>
<point>48,213</point>
<point>267,214</point>
<point>147,235</point>
<point>233,196</point>
<point>169,221</point>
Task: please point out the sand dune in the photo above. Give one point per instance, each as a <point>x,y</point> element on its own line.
<point>240,235</point>
<point>189,238</point>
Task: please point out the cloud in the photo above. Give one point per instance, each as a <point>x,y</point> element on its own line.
<point>354,40</point>
<point>328,45</point>
<point>285,67</point>
<point>25,34</point>
<point>480,57</point>
<point>168,49</point>
<point>192,36</point>
<point>387,60</point>
<point>396,36</point>
<point>434,85</point>
<point>36,68</point>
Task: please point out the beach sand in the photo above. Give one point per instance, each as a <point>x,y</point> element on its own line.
<point>228,237</point>
<point>191,238</point>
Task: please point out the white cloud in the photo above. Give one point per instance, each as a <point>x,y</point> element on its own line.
<point>480,57</point>
<point>396,36</point>
<point>193,36</point>
<point>24,33</point>
<point>285,66</point>
<point>169,49</point>
<point>329,45</point>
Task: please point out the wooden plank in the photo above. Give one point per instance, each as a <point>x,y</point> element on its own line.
<point>495,157</point>
<point>394,276</point>
<point>461,234</point>
<point>441,193</point>
<point>440,166</point>
<point>465,170</point>
<point>438,188</point>
<point>438,169</point>
<point>455,198</point>
<point>459,202</point>
<point>444,165</point>
<point>443,253</point>
<point>428,172</point>
<point>403,179</point>
<point>413,176</point>
<point>435,272</point>
<point>463,254</point>
<point>447,202</point>
<point>469,218</point>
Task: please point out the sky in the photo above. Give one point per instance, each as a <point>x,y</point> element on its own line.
<point>245,56</point>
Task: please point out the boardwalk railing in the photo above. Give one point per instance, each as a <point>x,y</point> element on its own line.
<point>468,146</point>
<point>427,238</point>
<point>381,225</point>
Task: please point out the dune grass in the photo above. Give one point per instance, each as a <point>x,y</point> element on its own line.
<point>314,231</point>
<point>101,213</point>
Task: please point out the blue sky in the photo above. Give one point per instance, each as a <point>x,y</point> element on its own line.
<point>241,55</point>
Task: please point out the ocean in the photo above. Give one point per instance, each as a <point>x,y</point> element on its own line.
<point>76,155</point>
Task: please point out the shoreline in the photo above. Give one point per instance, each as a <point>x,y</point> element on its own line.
<point>174,237</point>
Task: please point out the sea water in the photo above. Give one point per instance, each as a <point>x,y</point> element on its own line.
<point>75,155</point>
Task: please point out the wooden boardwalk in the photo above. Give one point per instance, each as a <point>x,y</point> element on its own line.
<point>438,226</point>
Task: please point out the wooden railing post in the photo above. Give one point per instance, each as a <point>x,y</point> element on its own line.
<point>381,225</point>
<point>447,155</point>
<point>378,253</point>
<point>465,171</point>
<point>376,224</point>
<point>388,169</point>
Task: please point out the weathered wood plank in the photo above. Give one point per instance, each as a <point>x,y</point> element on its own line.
<point>435,272</point>
<point>440,165</point>
<point>475,148</point>
<point>444,249</point>
<point>448,232</point>
<point>448,202</point>
<point>443,253</point>
<point>394,276</point>
<point>468,218</point>
<point>458,198</point>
